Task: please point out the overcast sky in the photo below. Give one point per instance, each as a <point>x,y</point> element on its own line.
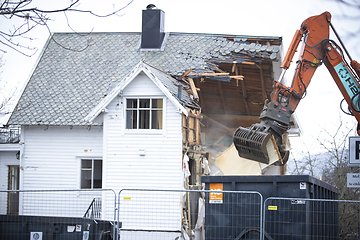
<point>319,110</point>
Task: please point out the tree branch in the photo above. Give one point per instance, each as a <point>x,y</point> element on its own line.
<point>33,17</point>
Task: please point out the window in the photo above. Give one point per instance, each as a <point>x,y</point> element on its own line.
<point>144,113</point>
<point>91,173</point>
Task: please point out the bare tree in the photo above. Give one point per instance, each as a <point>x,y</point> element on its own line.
<point>349,15</point>
<point>306,165</point>
<point>335,173</point>
<point>26,16</point>
<point>332,164</point>
<point>3,99</point>
<point>6,94</point>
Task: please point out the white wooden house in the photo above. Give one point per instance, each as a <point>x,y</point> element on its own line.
<point>120,110</point>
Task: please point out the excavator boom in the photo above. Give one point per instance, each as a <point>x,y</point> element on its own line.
<point>266,142</point>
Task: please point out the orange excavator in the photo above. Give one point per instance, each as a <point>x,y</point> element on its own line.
<point>266,142</point>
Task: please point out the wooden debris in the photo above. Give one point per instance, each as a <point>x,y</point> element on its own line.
<point>245,94</point>
<point>248,63</point>
<point>222,96</point>
<point>209,74</point>
<point>185,74</point>
<point>200,92</point>
<point>193,88</point>
<point>214,75</point>
<point>237,77</point>
<point>262,82</point>
<point>233,66</point>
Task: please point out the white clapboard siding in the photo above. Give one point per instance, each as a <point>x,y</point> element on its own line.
<point>52,155</point>
<point>7,158</point>
<point>159,168</point>
<point>142,86</point>
<point>51,160</point>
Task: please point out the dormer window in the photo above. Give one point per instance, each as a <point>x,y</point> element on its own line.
<point>144,113</point>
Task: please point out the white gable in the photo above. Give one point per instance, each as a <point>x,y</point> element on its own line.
<point>140,73</point>
<point>142,85</point>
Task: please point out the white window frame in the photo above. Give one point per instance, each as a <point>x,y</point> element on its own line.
<point>138,130</point>
<point>92,171</point>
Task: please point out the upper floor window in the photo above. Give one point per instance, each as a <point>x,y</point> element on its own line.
<point>144,113</point>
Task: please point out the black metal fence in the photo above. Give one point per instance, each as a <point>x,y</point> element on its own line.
<point>10,135</point>
<point>174,214</point>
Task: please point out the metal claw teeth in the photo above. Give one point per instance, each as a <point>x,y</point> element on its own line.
<point>255,145</point>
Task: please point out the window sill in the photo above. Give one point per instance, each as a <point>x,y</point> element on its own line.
<point>144,131</point>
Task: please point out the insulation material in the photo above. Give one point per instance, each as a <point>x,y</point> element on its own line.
<point>272,151</point>
<point>186,170</point>
<point>201,214</point>
<point>206,166</point>
<point>230,163</point>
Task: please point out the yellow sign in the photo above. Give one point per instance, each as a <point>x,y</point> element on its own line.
<point>127,198</point>
<point>216,197</point>
<point>272,208</point>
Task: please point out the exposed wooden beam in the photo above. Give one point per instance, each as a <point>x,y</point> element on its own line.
<point>208,74</point>
<point>263,88</point>
<point>185,74</point>
<point>233,66</point>
<point>217,68</point>
<point>198,116</point>
<point>197,130</point>
<point>215,74</point>
<point>201,99</point>
<point>248,63</point>
<point>222,96</point>
<point>193,88</point>
<point>238,77</point>
<point>243,87</point>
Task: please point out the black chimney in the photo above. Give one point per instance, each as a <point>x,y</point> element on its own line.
<point>152,27</point>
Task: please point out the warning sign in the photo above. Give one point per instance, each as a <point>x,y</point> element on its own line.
<point>272,208</point>
<point>302,185</point>
<point>216,197</point>
<point>353,180</point>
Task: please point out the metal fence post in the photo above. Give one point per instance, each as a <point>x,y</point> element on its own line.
<point>118,216</point>
<point>116,219</point>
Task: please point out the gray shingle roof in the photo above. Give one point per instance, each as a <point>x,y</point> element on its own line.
<point>67,84</point>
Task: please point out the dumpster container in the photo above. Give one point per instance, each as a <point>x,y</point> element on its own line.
<point>237,216</point>
<point>53,228</point>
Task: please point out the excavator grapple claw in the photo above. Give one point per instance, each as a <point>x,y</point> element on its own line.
<point>267,142</point>
<point>252,143</point>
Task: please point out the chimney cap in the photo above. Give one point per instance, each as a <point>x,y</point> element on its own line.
<point>150,6</point>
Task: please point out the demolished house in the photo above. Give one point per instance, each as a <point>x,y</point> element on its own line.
<point>143,110</point>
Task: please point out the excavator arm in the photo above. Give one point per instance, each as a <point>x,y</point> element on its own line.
<point>265,142</point>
